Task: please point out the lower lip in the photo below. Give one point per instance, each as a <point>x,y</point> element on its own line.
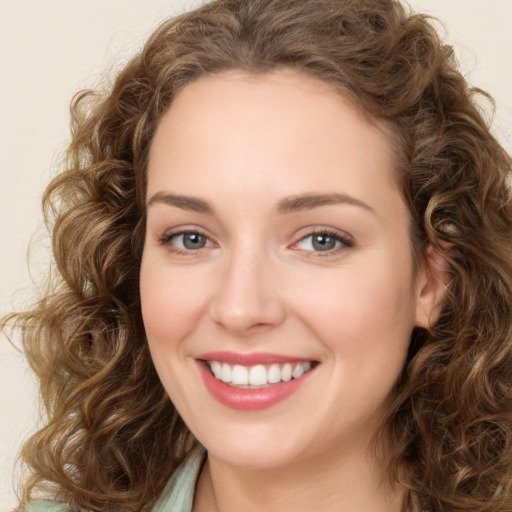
<point>249,399</point>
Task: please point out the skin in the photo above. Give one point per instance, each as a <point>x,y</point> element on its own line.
<point>244,144</point>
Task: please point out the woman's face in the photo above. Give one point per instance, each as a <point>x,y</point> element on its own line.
<point>277,243</point>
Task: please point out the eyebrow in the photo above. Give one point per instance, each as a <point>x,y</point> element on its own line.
<point>287,205</point>
<point>184,202</point>
<point>310,201</point>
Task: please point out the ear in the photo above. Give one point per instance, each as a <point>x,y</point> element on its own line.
<point>432,280</point>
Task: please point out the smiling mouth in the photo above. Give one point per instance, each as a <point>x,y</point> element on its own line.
<point>258,376</point>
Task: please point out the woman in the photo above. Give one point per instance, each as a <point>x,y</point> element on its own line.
<point>290,219</point>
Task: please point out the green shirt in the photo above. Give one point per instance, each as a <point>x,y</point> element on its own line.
<point>177,496</point>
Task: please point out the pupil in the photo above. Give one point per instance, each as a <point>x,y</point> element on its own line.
<point>193,241</point>
<point>323,242</point>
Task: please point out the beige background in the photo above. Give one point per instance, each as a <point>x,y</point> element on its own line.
<point>51,48</point>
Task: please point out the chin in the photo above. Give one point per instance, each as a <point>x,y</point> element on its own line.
<point>257,446</point>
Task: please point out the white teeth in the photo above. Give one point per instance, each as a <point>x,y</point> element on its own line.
<point>298,371</point>
<point>286,372</point>
<point>258,375</point>
<point>274,374</point>
<point>226,373</point>
<point>216,369</point>
<point>239,376</point>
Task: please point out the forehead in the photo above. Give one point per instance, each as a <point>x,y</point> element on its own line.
<point>285,90</point>
<point>282,130</point>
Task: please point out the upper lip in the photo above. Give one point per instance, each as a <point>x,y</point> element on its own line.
<point>251,359</point>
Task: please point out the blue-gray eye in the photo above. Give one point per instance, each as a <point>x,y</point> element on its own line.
<point>190,241</point>
<point>323,242</point>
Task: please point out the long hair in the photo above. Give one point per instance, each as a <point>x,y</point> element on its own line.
<point>112,438</point>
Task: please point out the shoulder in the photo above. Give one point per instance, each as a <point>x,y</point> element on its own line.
<point>44,506</point>
<point>179,492</point>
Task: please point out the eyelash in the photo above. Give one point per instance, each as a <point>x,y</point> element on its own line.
<point>345,242</point>
<point>166,241</point>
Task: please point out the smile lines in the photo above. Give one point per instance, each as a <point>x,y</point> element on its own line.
<point>259,375</point>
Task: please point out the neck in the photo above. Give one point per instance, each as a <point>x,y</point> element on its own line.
<point>338,483</point>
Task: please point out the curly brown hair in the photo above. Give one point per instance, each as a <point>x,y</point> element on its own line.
<point>112,437</point>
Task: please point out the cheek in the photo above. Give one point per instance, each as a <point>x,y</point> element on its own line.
<point>361,310</point>
<point>172,302</point>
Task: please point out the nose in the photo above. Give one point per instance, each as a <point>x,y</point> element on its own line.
<point>248,298</point>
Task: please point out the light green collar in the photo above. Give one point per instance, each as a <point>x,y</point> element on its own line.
<point>178,494</point>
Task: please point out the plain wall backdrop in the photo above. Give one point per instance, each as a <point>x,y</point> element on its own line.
<point>49,49</point>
